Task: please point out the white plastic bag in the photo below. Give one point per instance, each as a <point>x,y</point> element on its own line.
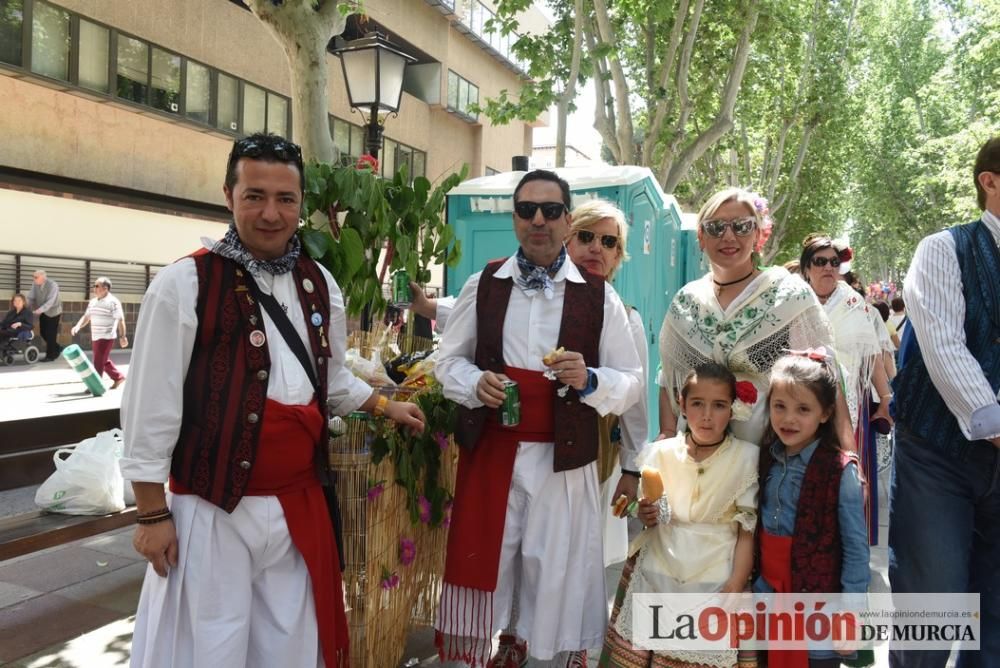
<point>87,481</point>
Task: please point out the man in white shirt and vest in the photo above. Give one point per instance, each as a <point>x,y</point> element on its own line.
<point>944,522</point>
<point>527,514</point>
<point>239,359</point>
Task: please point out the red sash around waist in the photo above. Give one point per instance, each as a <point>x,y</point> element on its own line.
<point>483,483</point>
<point>776,568</point>
<point>285,469</point>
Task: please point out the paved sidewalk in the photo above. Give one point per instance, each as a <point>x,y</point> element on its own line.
<point>72,606</point>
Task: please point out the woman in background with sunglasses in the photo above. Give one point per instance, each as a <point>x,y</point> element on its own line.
<point>596,242</point>
<point>740,314</point>
<point>857,349</point>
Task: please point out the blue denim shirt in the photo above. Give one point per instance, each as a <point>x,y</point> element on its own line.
<point>779,501</point>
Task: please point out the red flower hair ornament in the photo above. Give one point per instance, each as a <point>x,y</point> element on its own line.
<point>746,397</point>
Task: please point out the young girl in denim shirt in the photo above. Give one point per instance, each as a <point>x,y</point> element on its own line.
<point>812,534</point>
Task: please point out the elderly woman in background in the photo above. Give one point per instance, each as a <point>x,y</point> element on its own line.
<point>739,314</point>
<point>857,349</point>
<point>18,320</point>
<point>596,242</point>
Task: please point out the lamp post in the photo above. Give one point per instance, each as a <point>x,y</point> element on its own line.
<point>373,71</point>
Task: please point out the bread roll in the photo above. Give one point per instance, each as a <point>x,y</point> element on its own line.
<point>550,359</point>
<point>652,483</point>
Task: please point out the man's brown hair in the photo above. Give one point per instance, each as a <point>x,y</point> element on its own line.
<point>987,160</point>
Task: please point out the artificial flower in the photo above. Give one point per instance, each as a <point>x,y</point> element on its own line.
<point>425,509</point>
<point>746,397</point>
<point>375,489</point>
<point>366,161</point>
<point>441,439</point>
<point>407,551</point>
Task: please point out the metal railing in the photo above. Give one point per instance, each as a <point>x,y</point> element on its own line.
<point>75,275</point>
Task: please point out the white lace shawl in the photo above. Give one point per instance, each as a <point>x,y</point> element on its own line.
<point>855,343</point>
<point>776,312</point>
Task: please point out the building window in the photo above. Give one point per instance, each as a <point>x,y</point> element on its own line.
<point>461,94</point>
<point>133,69</point>
<point>350,142</point>
<point>197,92</point>
<point>11,25</point>
<point>65,46</point>
<point>419,164</point>
<point>93,56</point>
<point>476,18</point>
<point>165,85</point>
<point>254,109</point>
<point>277,114</point>
<point>50,41</point>
<point>228,97</point>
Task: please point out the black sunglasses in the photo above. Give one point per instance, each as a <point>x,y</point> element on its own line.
<point>586,237</point>
<point>823,261</point>
<point>281,149</point>
<point>740,227</point>
<point>550,210</point>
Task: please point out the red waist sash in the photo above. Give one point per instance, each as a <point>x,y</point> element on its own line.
<point>285,469</point>
<point>483,483</point>
<point>776,568</point>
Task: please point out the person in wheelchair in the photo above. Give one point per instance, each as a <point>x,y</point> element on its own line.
<point>18,321</point>
<point>15,331</point>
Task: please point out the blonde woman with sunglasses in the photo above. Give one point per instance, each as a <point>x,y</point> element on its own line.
<point>740,314</point>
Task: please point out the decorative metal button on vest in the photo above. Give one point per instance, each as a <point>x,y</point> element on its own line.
<point>316,319</point>
<point>307,285</point>
<point>257,338</point>
<point>245,465</point>
<point>262,374</point>
<point>252,418</point>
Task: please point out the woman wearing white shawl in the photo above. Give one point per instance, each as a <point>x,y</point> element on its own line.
<point>738,315</point>
<point>858,351</point>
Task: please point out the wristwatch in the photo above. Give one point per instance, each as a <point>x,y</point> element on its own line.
<point>591,383</point>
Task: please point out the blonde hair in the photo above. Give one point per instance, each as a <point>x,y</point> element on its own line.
<point>590,213</point>
<point>744,197</point>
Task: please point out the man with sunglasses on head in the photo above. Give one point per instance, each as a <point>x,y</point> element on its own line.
<point>238,363</point>
<point>527,514</point>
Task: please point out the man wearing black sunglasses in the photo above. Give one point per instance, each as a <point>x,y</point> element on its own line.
<point>526,502</point>
<point>238,363</point>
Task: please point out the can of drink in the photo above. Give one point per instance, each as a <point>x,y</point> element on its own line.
<point>401,288</point>
<point>510,409</point>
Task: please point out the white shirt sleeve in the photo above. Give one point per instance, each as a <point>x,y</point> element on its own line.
<point>445,305</point>
<point>345,391</point>
<point>935,304</point>
<point>635,420</point>
<point>456,369</point>
<point>153,401</point>
<point>620,376</point>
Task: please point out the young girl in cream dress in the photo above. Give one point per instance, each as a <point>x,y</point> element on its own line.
<point>699,534</point>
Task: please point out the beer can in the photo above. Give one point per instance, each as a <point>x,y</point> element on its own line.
<point>510,409</point>
<point>401,288</point>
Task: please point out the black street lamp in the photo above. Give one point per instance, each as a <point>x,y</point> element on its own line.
<point>373,71</point>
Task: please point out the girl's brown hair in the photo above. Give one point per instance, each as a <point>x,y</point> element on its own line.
<point>816,376</point>
<point>709,371</point>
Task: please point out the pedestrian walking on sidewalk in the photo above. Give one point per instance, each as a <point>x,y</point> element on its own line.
<point>106,316</point>
<point>45,302</point>
<point>944,504</point>
<point>229,398</point>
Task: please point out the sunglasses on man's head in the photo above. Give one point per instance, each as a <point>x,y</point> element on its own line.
<point>741,227</point>
<point>823,261</point>
<point>252,148</point>
<point>550,210</point>
<point>586,237</point>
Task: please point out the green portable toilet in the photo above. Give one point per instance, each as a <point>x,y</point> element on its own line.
<point>480,211</point>
<point>695,261</point>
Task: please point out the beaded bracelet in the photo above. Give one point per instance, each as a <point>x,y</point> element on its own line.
<point>153,513</point>
<point>156,519</point>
